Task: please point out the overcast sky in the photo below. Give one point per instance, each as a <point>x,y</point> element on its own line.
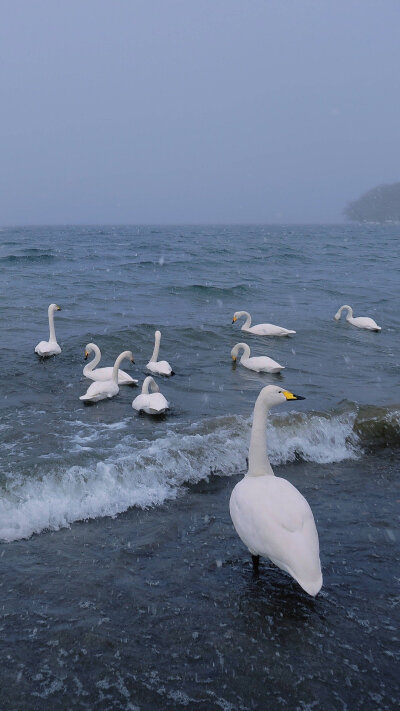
<point>135,111</point>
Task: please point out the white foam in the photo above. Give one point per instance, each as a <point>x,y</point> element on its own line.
<point>147,473</point>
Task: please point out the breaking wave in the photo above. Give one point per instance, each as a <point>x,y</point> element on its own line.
<point>146,473</point>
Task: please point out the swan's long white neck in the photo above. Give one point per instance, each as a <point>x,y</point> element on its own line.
<point>349,311</point>
<point>258,457</point>
<point>125,354</point>
<point>149,382</point>
<point>52,336</point>
<point>247,322</point>
<point>241,346</point>
<point>154,357</point>
<point>96,360</point>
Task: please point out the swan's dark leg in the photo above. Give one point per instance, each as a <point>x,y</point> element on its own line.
<point>256,560</point>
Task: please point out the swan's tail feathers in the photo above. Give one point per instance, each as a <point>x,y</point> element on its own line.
<point>311,587</point>
<point>290,332</point>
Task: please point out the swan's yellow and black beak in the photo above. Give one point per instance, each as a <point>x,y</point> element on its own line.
<point>86,355</point>
<point>132,360</point>
<point>291,396</point>
<point>234,319</point>
<point>58,308</point>
<point>234,359</point>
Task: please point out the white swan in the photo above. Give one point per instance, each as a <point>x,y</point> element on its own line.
<point>261,329</point>
<point>50,347</point>
<point>102,389</point>
<point>261,364</point>
<point>158,367</point>
<point>154,403</point>
<point>269,514</point>
<point>358,321</point>
<point>90,371</point>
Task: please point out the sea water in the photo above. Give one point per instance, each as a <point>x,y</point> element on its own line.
<point>124,583</point>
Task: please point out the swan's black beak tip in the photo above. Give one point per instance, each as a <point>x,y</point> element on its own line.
<point>172,372</point>
<point>299,397</point>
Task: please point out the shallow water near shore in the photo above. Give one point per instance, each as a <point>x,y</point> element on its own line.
<point>124,585</point>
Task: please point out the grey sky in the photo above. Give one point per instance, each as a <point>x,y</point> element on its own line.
<point>132,111</point>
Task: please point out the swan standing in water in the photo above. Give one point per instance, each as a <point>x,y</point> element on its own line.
<point>260,364</point>
<point>358,321</point>
<point>154,403</point>
<point>261,329</point>
<point>90,371</point>
<point>158,367</point>
<point>50,347</point>
<point>102,389</point>
<point>269,514</point>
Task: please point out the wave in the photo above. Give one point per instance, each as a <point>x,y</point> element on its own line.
<point>208,290</point>
<point>146,473</point>
<point>33,255</point>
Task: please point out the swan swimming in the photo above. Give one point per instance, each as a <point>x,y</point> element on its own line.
<point>269,514</point>
<point>261,329</point>
<point>158,367</point>
<point>90,371</point>
<point>50,347</point>
<point>358,321</point>
<point>102,389</point>
<point>154,403</point>
<point>260,364</point>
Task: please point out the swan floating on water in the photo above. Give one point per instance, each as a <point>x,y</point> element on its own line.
<point>358,321</point>
<point>269,514</point>
<point>102,389</point>
<point>50,347</point>
<point>261,329</point>
<point>154,403</point>
<point>90,371</point>
<point>260,364</point>
<point>158,367</point>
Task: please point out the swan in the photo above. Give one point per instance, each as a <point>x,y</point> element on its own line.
<point>50,347</point>
<point>154,403</point>
<point>101,389</point>
<point>90,371</point>
<point>269,514</point>
<point>261,329</point>
<point>359,321</point>
<point>261,364</point>
<point>158,367</point>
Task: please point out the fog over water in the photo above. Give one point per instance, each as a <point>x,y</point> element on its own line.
<point>133,111</point>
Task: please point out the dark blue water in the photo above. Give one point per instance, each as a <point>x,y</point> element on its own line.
<point>155,607</point>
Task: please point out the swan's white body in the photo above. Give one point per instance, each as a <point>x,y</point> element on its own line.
<point>158,367</point>
<point>90,371</point>
<point>269,514</point>
<point>50,347</point>
<point>359,321</point>
<point>102,389</point>
<point>261,329</point>
<point>154,403</point>
<point>260,364</point>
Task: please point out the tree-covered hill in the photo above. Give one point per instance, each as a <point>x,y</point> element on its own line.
<point>381,204</point>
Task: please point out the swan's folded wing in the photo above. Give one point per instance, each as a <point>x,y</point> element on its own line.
<point>42,347</point>
<point>95,389</point>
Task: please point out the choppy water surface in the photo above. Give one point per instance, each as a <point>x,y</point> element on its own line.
<point>156,607</point>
